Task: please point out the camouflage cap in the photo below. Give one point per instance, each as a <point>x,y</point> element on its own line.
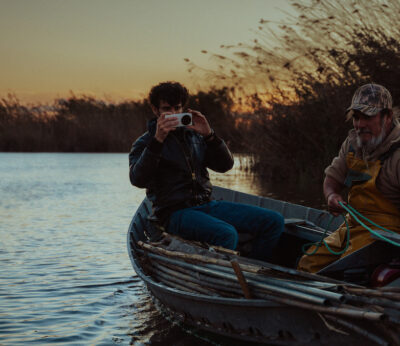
<point>370,99</point>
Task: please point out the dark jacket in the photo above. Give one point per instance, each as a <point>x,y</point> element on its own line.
<point>174,172</point>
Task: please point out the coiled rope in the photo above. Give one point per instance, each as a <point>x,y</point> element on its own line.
<point>356,215</point>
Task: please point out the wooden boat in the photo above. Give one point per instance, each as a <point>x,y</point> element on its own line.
<point>271,302</point>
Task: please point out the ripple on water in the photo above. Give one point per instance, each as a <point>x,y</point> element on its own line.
<point>65,275</point>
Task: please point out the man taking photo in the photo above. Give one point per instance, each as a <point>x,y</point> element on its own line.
<point>171,162</point>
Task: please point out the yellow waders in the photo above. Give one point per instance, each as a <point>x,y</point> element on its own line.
<point>364,197</point>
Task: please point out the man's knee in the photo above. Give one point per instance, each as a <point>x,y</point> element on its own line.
<point>279,221</point>
<point>274,222</point>
<point>227,238</point>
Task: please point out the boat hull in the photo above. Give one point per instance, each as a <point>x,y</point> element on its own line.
<point>250,320</point>
<point>256,320</point>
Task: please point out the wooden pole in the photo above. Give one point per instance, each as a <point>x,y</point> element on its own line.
<point>245,266</point>
<point>348,311</point>
<point>372,293</point>
<point>241,279</point>
<point>195,257</point>
<point>225,287</point>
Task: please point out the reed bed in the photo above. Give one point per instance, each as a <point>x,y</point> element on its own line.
<point>297,78</point>
<point>86,124</point>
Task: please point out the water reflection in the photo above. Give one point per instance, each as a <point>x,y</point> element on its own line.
<point>241,179</point>
<point>65,275</point>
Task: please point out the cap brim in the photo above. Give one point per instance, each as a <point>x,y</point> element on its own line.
<point>365,109</point>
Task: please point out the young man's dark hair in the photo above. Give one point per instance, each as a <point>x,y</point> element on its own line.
<point>171,162</point>
<point>171,92</point>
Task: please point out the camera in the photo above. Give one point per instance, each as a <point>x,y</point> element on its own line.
<point>183,118</point>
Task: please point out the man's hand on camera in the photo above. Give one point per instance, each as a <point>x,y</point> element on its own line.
<point>164,126</point>
<point>200,123</point>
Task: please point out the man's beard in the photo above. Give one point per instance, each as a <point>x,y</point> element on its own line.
<point>373,143</point>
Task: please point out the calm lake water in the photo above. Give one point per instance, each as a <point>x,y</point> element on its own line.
<point>65,274</point>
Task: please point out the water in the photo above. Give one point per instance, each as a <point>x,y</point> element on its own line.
<point>65,275</point>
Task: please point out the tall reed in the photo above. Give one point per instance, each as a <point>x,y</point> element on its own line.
<point>86,124</point>
<point>299,77</point>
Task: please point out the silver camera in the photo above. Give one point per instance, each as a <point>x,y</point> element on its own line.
<point>184,119</point>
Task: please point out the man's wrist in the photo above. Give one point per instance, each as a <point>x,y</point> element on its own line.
<point>209,136</point>
<point>330,194</point>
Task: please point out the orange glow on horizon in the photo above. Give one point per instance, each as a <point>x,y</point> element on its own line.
<point>116,50</point>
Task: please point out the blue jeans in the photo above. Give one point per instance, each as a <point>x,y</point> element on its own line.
<point>219,222</point>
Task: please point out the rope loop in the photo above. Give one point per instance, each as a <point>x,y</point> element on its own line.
<point>356,215</point>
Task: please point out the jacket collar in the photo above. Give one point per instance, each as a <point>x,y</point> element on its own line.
<point>151,125</point>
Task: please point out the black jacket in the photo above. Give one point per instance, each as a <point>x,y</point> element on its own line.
<point>174,172</point>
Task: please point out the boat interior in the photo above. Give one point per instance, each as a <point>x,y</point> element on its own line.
<point>205,287</point>
<point>304,225</point>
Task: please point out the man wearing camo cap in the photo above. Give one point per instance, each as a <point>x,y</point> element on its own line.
<point>369,165</point>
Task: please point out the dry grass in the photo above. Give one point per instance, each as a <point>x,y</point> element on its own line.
<point>85,124</point>
<point>299,78</point>
<point>77,124</point>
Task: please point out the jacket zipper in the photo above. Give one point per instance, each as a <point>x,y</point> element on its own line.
<point>188,162</point>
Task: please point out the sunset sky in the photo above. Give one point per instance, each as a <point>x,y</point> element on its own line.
<point>116,49</point>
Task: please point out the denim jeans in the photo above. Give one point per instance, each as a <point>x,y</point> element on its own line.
<point>219,222</point>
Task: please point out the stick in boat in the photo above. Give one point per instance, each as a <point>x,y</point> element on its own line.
<point>241,279</point>
<point>194,257</point>
<point>389,289</point>
<point>219,249</point>
<point>271,268</point>
<point>224,286</point>
<point>372,293</point>
<point>186,279</point>
<point>312,293</point>
<point>391,317</point>
<point>252,268</point>
<point>269,287</point>
<point>190,285</point>
<point>300,286</point>
<point>382,302</point>
<point>174,285</point>
<point>348,312</point>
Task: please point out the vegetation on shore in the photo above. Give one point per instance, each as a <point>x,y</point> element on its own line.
<point>85,124</point>
<point>295,81</point>
<point>299,77</point>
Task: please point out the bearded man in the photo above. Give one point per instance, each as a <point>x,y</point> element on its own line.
<point>369,165</point>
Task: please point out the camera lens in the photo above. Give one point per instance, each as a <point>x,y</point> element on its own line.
<point>186,120</point>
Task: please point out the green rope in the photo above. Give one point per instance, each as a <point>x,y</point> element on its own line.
<point>365,218</point>
<point>355,214</point>
<point>322,241</point>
